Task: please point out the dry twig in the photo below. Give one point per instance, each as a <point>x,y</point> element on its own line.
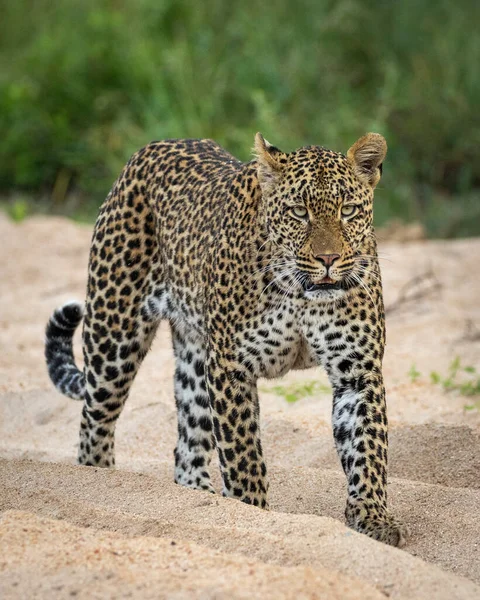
<point>419,287</point>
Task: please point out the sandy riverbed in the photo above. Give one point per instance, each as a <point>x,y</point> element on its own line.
<point>69,531</point>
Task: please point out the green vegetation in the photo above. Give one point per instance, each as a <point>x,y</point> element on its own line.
<point>295,391</point>
<point>414,373</point>
<point>83,83</point>
<point>18,210</point>
<point>465,380</point>
<point>468,385</point>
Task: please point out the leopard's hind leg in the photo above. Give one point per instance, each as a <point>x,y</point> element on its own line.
<point>113,353</point>
<point>195,431</point>
<point>120,319</point>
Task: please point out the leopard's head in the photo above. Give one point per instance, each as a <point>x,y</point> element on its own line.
<point>318,209</point>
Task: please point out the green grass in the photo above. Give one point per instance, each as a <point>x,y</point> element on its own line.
<point>414,373</point>
<point>83,83</point>
<point>459,378</point>
<point>463,379</point>
<point>296,391</point>
<point>18,210</point>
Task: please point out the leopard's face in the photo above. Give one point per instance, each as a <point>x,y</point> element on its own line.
<point>318,207</point>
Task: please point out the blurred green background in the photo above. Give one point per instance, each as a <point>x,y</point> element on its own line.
<point>83,84</point>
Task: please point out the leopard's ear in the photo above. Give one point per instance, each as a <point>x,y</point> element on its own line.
<point>271,162</point>
<point>366,157</point>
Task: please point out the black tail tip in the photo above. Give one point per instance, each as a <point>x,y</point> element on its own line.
<point>64,320</point>
<point>72,312</point>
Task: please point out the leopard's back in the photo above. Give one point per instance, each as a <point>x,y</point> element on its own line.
<point>159,223</point>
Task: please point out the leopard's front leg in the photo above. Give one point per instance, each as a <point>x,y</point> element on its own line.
<point>351,349</point>
<point>233,398</point>
<point>361,438</point>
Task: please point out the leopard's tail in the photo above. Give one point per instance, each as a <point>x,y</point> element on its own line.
<point>62,369</point>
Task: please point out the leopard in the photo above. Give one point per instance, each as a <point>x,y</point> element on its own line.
<point>260,267</point>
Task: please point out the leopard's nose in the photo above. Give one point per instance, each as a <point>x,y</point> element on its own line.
<point>327,259</point>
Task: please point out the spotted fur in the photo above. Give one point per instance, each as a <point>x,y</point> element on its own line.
<point>260,267</point>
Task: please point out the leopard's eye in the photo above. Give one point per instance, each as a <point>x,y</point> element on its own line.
<point>348,210</point>
<point>300,212</point>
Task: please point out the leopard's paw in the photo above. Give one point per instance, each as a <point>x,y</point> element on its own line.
<point>194,480</point>
<point>379,525</point>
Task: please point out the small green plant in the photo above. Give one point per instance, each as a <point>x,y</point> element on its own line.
<point>414,373</point>
<point>296,391</point>
<point>18,210</point>
<point>463,379</point>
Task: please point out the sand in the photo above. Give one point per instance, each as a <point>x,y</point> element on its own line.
<point>69,531</point>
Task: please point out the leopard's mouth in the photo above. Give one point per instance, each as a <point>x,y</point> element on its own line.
<point>325,284</point>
